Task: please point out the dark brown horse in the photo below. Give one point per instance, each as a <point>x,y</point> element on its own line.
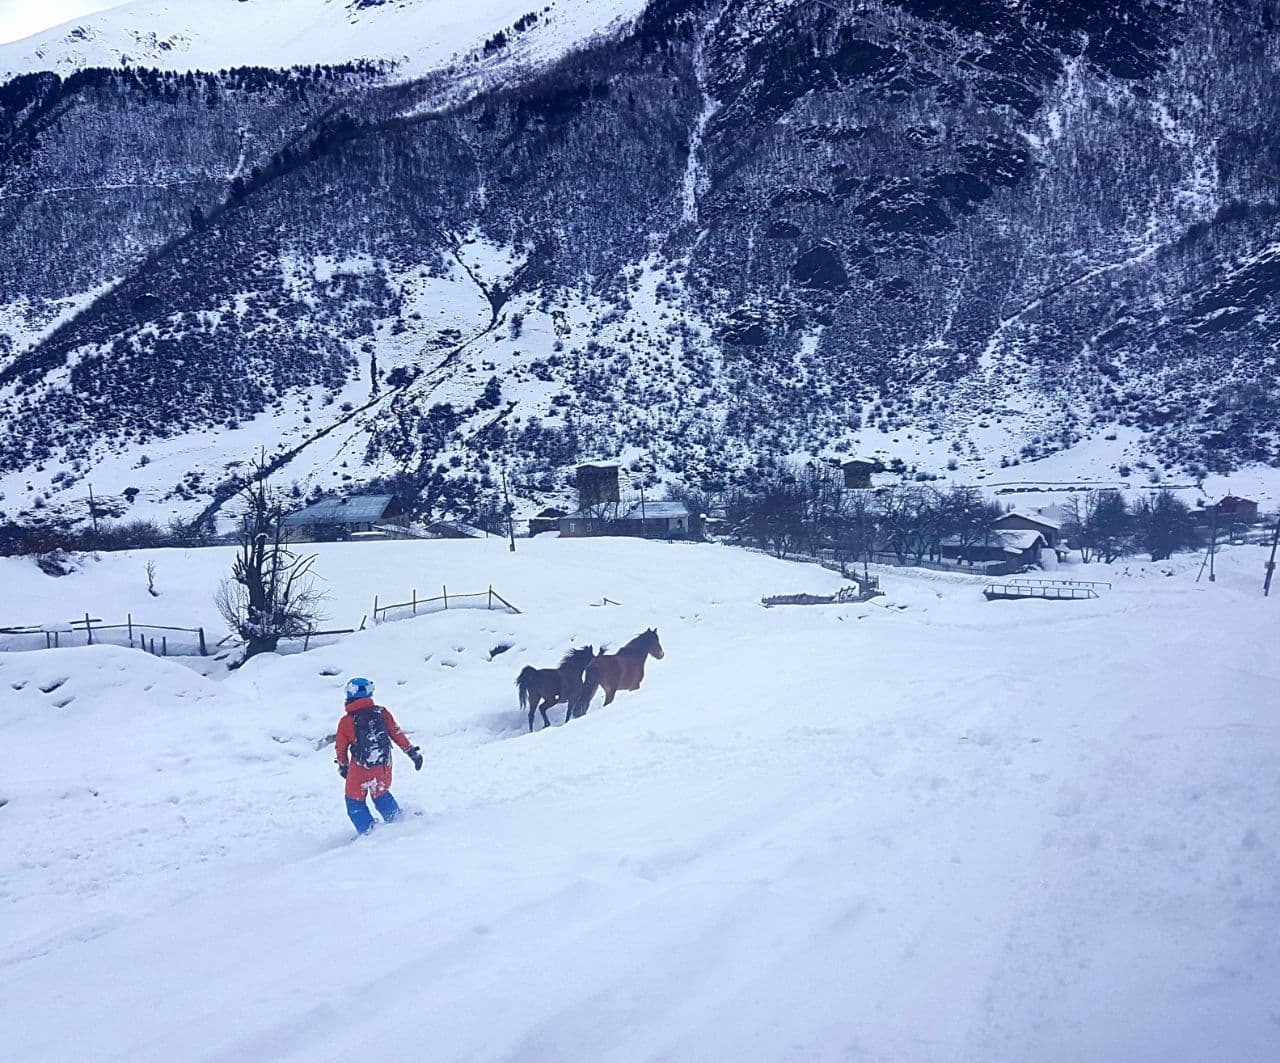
<point>540,688</point>
<point>623,670</point>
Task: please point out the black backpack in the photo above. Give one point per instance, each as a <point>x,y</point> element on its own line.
<point>373,742</point>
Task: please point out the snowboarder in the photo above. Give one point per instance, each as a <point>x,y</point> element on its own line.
<point>363,745</point>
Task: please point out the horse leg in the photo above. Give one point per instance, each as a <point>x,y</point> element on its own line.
<point>533,705</point>
<point>609,693</point>
<point>543,709</point>
<point>579,707</point>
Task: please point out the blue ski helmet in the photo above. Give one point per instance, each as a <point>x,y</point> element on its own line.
<point>359,688</point>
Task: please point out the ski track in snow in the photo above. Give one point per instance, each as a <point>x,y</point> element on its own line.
<point>922,828</point>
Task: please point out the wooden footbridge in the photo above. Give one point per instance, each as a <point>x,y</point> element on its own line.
<point>1053,590</point>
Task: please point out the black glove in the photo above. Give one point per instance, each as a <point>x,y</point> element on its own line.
<point>415,755</point>
<point>342,770</point>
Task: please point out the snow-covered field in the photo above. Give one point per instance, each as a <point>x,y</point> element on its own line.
<point>923,828</point>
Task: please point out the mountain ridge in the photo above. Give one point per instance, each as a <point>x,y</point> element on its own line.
<point>731,231</point>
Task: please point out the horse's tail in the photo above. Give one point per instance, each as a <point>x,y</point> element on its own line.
<point>590,684</point>
<point>524,681</point>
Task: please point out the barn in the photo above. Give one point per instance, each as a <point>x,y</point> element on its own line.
<point>340,518</point>
<point>1017,520</point>
<point>1013,546</point>
<point>546,520</point>
<point>1237,510</point>
<point>647,520</point>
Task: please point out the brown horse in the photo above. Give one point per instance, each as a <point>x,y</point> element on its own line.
<point>540,688</point>
<point>623,670</point>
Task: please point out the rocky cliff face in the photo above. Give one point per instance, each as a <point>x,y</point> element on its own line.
<point>737,228</point>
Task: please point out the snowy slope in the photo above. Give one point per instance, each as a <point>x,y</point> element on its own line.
<point>927,828</point>
<point>417,36</point>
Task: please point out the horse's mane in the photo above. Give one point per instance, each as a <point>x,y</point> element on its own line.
<point>638,643</point>
<point>582,653</point>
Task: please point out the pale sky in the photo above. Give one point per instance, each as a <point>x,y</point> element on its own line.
<point>21,18</point>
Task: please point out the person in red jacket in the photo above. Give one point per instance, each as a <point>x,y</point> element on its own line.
<point>363,745</point>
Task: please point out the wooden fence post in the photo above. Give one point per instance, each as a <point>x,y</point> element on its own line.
<point>490,606</point>
<point>415,601</point>
<point>88,629</point>
<point>446,597</point>
<point>375,608</point>
<point>203,652</point>
<point>164,645</point>
<point>129,617</point>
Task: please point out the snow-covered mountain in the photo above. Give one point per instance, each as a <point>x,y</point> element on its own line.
<point>407,38</point>
<point>969,235</point>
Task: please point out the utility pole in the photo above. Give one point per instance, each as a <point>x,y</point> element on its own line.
<point>511,530</point>
<point>1213,546</point>
<point>93,515</point>
<point>1213,543</point>
<point>1271,565</point>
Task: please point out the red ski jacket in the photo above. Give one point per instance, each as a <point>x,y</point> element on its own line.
<point>365,782</point>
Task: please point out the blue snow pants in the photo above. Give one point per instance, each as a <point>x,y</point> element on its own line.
<point>363,819</point>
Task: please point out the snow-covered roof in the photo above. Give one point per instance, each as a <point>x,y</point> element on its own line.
<point>356,509</point>
<point>1017,540</point>
<point>861,459</point>
<point>1055,513</point>
<point>1010,540</point>
<point>1039,518</point>
<point>599,464</point>
<point>660,510</point>
<point>467,531</point>
<point>657,511</point>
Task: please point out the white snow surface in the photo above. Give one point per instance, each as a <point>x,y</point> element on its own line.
<point>922,828</point>
<point>418,36</point>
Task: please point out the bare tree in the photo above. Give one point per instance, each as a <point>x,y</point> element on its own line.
<point>1164,524</point>
<point>858,526</point>
<point>927,522</point>
<point>897,521</point>
<point>1079,525</point>
<point>1111,528</point>
<point>968,518</point>
<point>271,593</point>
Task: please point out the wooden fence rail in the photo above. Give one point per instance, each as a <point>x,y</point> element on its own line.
<point>91,627</point>
<point>415,603</point>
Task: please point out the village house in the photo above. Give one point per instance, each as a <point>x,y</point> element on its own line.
<point>1050,529</point>
<point>648,520</point>
<point>1236,510</point>
<point>340,518</point>
<point>1011,546</point>
<point>546,520</point>
<point>857,472</point>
